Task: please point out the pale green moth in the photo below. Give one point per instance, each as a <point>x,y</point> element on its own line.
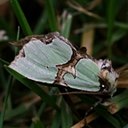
<point>53,59</point>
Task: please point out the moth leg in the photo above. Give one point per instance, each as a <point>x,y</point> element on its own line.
<point>93,107</point>
<point>90,110</point>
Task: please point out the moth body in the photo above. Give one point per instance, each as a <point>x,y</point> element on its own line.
<point>53,59</point>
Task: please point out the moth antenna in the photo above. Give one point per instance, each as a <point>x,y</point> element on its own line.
<point>69,93</point>
<point>74,92</point>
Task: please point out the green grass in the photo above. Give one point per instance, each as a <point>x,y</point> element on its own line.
<point>19,107</point>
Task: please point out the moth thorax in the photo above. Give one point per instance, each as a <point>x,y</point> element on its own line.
<point>109,81</point>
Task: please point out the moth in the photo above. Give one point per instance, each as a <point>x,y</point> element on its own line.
<point>52,59</point>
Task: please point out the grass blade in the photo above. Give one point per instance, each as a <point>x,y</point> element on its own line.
<point>56,122</point>
<point>111,13</point>
<point>40,26</point>
<point>107,116</point>
<point>66,25</point>
<point>5,101</point>
<point>66,116</point>
<point>21,17</point>
<point>118,102</point>
<point>51,15</point>
<point>34,87</point>
<point>37,123</point>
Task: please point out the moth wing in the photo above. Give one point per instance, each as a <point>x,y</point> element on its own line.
<point>51,54</point>
<point>86,76</point>
<point>37,60</point>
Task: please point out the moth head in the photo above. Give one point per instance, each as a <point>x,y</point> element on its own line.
<point>108,77</point>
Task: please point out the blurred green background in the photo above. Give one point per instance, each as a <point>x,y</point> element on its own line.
<point>100,25</point>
